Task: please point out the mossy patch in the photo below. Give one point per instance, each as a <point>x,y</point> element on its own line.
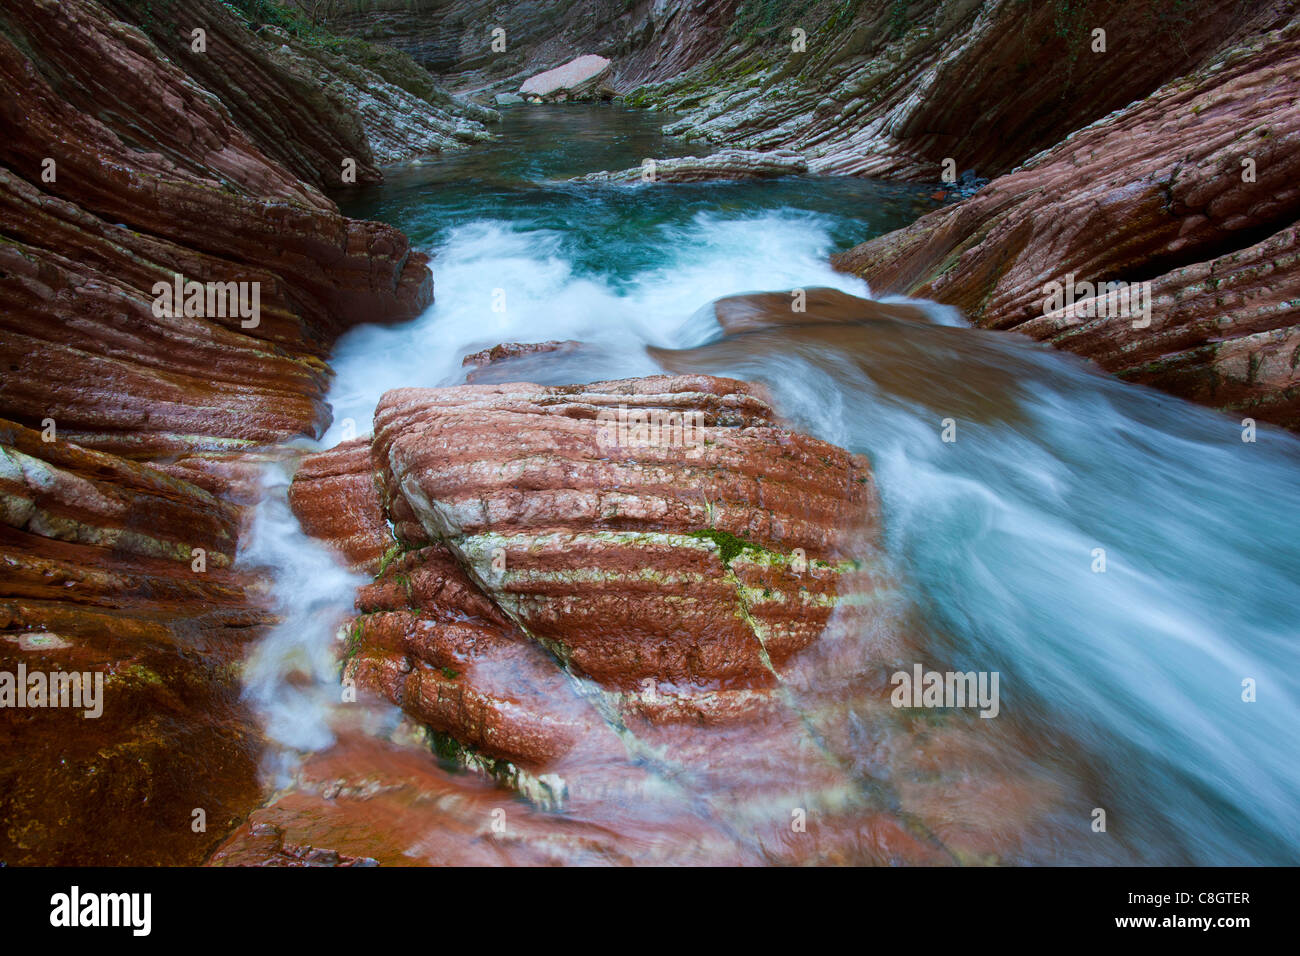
<point>356,633</point>
<point>729,546</point>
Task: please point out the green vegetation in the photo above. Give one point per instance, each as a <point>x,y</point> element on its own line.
<point>285,16</point>
<point>898,21</point>
<point>387,559</point>
<point>729,546</point>
<point>356,631</point>
<point>294,21</point>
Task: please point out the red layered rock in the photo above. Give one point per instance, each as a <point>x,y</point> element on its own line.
<point>123,502</point>
<point>1195,188</point>
<point>120,572</point>
<point>700,631</point>
<point>614,528</point>
<point>368,801</point>
<point>335,498</point>
<point>303,104</point>
<point>152,179</point>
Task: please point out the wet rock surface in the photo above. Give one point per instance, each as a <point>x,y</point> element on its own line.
<point>1192,189</point>
<point>659,643</point>
<point>635,621</point>
<point>133,436</point>
<point>874,88</point>
<point>309,102</point>
<point>734,164</point>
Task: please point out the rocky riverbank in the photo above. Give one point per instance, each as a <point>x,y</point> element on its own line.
<point>1109,164</point>
<point>1193,190</point>
<point>609,622</point>
<point>132,436</point>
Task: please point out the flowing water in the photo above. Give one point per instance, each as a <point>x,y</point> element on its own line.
<point>996,534</point>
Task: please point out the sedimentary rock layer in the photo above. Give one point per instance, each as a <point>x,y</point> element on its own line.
<point>121,573</point>
<point>1195,189</point>
<point>666,633</point>
<point>104,199</point>
<point>728,164</point>
<point>882,88</point>
<point>309,101</point>
<point>868,88</point>
<point>123,501</point>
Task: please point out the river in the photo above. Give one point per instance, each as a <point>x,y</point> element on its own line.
<point>1141,669</point>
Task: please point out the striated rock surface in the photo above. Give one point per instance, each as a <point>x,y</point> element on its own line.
<point>698,484</point>
<point>129,203</point>
<point>102,578</point>
<point>676,636</point>
<point>336,499</point>
<point>729,164</point>
<point>889,89</point>
<point>132,435</point>
<point>309,101</point>
<point>876,88</point>
<point>1195,190</point>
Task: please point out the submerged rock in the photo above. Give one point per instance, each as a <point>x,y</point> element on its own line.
<point>763,310</point>
<point>509,351</point>
<point>724,165</point>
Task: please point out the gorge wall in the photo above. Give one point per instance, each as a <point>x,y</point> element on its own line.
<point>1140,137</point>
<point>1193,189</point>
<point>867,87</point>
<point>131,438</point>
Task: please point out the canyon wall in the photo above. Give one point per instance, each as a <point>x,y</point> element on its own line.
<point>1114,132</point>
<point>130,436</point>
<point>1195,189</point>
<point>865,87</point>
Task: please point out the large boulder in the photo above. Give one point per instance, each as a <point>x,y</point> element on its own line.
<point>650,603</point>
<point>580,78</point>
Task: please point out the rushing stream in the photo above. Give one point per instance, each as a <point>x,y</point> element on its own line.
<point>996,533</point>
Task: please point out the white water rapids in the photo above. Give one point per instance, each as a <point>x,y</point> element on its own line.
<point>1143,664</point>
